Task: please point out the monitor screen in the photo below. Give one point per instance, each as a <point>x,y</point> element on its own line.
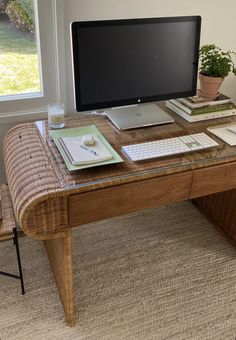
<point>132,61</point>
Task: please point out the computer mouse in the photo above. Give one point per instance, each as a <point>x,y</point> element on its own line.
<point>88,140</point>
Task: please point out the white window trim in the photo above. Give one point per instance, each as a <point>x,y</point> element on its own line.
<point>51,31</point>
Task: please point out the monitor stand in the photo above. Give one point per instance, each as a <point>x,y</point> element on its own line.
<point>131,117</point>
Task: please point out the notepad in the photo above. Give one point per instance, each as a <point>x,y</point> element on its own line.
<point>80,132</point>
<point>79,154</point>
<point>224,133</point>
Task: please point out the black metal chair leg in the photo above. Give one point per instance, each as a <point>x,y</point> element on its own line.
<point>18,259</point>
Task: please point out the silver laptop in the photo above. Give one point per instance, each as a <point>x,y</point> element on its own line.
<point>131,117</point>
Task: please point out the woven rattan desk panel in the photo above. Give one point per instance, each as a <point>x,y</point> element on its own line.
<point>40,183</point>
<point>48,200</point>
<point>131,171</point>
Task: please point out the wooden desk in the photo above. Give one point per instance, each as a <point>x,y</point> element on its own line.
<point>48,200</point>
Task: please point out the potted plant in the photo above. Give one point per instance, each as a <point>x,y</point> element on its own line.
<point>215,66</point>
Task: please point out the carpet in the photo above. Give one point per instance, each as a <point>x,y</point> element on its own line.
<point>163,273</point>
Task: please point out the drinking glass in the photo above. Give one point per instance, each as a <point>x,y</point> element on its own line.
<point>56,115</point>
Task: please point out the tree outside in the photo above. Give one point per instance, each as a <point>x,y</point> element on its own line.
<point>19,65</point>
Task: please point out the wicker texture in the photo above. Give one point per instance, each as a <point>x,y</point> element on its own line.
<point>41,187</point>
<point>7,214</point>
<point>40,183</point>
<point>129,171</point>
<point>0,209</point>
<point>160,274</point>
<point>32,182</point>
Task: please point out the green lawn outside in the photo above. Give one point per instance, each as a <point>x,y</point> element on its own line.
<point>19,71</point>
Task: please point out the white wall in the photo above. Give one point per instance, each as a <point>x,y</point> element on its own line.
<point>218,26</point>
<point>218,23</point>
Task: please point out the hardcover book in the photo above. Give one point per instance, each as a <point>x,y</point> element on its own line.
<point>200,117</point>
<point>197,102</point>
<point>204,109</point>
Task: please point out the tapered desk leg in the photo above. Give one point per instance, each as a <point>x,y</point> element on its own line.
<point>59,252</point>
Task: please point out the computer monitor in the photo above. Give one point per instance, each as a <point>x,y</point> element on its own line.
<point>126,62</point>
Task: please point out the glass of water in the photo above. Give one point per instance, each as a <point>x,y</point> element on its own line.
<point>56,116</point>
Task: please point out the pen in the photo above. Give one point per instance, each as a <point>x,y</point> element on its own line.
<point>85,148</point>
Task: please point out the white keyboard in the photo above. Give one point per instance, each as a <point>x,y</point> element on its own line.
<point>170,146</point>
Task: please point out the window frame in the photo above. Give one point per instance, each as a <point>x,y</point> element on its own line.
<point>49,22</point>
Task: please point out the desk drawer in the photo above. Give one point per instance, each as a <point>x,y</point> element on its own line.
<point>126,198</point>
<point>215,179</point>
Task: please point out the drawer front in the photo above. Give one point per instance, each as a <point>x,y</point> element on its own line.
<point>118,200</point>
<point>211,180</point>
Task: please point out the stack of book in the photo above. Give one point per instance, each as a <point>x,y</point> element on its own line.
<point>195,108</point>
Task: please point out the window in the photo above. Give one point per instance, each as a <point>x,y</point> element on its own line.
<point>45,87</point>
<point>18,46</point>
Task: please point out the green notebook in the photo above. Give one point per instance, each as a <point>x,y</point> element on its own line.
<point>57,135</point>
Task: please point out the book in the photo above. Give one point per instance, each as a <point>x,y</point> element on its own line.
<point>79,154</point>
<point>197,102</point>
<point>204,109</point>
<point>200,117</point>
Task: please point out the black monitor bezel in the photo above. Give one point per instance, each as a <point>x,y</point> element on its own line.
<point>130,101</point>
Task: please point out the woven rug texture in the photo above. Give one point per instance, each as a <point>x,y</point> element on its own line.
<point>163,273</point>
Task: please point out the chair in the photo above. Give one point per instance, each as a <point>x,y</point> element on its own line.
<point>8,229</point>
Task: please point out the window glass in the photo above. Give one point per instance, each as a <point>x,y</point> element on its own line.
<point>19,58</point>
<point>40,77</point>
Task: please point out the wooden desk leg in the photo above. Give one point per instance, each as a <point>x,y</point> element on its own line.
<point>59,252</point>
<point>220,209</point>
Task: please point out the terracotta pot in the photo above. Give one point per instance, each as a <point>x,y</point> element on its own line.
<point>209,86</point>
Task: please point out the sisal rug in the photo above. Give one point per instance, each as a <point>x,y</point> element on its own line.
<point>160,274</point>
